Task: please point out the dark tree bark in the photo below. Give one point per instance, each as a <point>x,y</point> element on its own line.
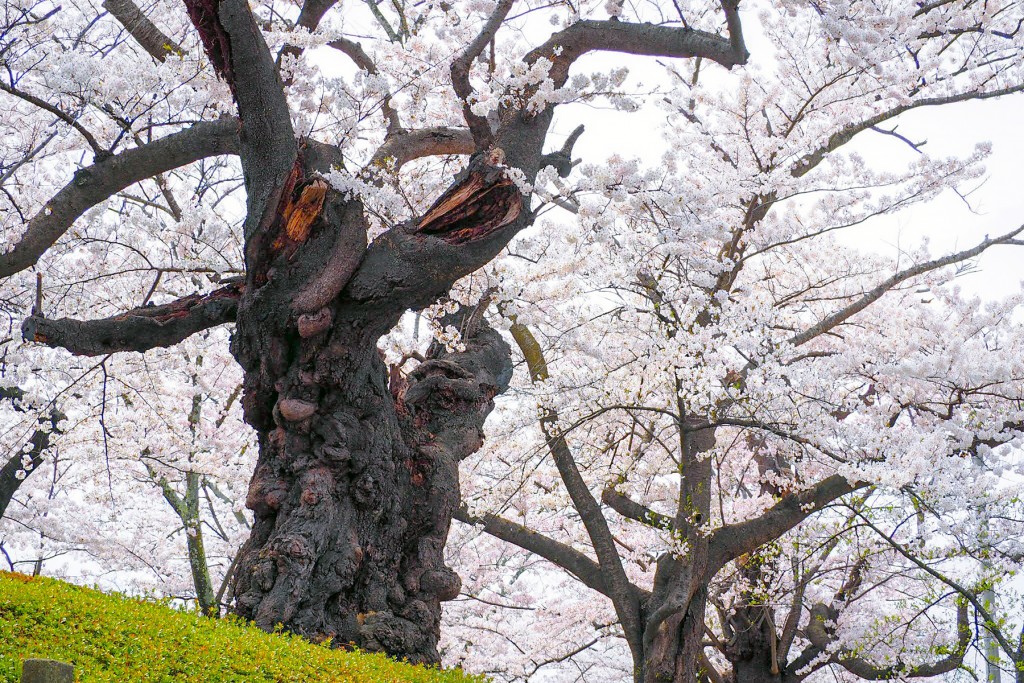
<point>357,477</point>
<point>33,456</point>
<point>357,481</point>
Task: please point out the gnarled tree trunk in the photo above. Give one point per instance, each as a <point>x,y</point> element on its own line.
<point>356,481</point>
<point>357,477</point>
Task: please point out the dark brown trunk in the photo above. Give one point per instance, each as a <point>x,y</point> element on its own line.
<point>753,646</point>
<point>754,671</point>
<point>675,654</point>
<point>357,481</point>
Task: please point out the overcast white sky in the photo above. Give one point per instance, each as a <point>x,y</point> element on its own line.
<point>996,205</point>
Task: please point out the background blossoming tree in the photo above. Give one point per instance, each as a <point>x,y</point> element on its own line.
<point>704,365</point>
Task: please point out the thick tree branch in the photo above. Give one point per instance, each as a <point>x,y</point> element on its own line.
<point>146,34</point>
<point>413,264</point>
<point>732,540</point>
<point>449,395</point>
<point>235,45</point>
<point>140,329</point>
<point>869,298</point>
<point>565,47</point>
<point>630,509</point>
<point>731,9</point>
<point>461,66</point>
<point>402,147</point>
<point>312,12</point>
<point>93,184</point>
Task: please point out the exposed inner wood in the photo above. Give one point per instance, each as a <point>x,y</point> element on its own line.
<point>486,201</point>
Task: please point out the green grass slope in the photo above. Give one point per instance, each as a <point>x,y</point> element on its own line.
<point>122,640</point>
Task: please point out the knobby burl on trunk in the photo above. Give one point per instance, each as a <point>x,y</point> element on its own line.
<point>357,477</point>
<point>357,480</point>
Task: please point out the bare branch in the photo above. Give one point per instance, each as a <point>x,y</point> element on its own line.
<point>622,593</point>
<point>355,52</point>
<point>146,34</point>
<point>140,329</point>
<point>869,298</point>
<point>562,159</point>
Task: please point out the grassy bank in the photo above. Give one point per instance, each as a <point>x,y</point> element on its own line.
<point>119,639</point>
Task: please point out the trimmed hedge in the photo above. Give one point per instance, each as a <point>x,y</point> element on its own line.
<point>121,639</point>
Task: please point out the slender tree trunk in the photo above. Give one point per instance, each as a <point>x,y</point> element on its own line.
<point>674,632</point>
<point>196,548</point>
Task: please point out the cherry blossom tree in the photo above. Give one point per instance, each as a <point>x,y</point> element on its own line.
<point>704,366</point>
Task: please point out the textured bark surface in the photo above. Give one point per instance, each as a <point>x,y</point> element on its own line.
<point>357,480</point>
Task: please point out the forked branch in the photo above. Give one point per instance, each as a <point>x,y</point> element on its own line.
<point>105,178</point>
<point>873,295</point>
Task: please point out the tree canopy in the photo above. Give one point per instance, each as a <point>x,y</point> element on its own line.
<point>291,286</point>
